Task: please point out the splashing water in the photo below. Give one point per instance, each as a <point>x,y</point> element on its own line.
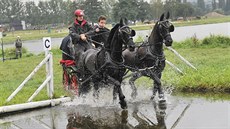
<point>106,96</point>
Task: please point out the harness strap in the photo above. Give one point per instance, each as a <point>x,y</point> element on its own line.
<point>111,61</point>
<point>68,55</point>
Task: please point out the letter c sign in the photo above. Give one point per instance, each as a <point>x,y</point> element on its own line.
<point>47,43</point>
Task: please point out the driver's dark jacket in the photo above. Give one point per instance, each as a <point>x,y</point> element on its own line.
<point>76,29</point>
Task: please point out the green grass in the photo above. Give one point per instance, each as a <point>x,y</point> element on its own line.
<point>212,61</point>
<point>212,74</point>
<point>13,72</point>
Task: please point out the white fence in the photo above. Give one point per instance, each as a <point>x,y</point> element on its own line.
<point>49,79</point>
<point>48,60</point>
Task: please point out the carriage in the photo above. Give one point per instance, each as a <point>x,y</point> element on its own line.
<point>110,63</point>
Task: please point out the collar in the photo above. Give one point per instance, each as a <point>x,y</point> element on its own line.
<point>82,24</point>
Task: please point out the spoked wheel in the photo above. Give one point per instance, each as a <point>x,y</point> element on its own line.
<point>74,84</point>
<point>66,80</point>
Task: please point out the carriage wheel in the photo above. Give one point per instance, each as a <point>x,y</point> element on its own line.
<point>65,80</point>
<point>74,84</point>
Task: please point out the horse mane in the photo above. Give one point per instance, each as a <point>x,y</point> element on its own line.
<point>153,31</point>
<point>111,35</point>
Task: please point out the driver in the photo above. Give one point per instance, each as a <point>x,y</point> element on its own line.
<point>78,32</point>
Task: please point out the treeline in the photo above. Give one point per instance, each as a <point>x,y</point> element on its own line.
<point>59,11</point>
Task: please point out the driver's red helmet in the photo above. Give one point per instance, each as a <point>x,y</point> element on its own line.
<point>79,12</point>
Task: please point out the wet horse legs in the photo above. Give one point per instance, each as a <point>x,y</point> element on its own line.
<point>156,76</point>
<point>117,89</point>
<point>133,78</point>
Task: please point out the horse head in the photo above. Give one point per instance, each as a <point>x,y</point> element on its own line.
<point>164,27</point>
<point>127,34</point>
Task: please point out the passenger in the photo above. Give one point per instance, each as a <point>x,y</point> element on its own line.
<point>101,32</point>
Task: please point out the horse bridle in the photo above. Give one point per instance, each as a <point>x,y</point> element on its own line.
<point>166,27</point>
<point>121,30</point>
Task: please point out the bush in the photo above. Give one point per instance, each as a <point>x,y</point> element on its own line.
<point>10,52</point>
<point>216,41</point>
<point>208,42</point>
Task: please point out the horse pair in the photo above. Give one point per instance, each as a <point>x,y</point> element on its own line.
<point>109,64</point>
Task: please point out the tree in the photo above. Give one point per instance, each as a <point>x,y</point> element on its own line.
<point>201,4</point>
<point>214,5</point>
<point>184,10</point>
<point>222,4</point>
<point>227,7</point>
<point>125,8</point>
<point>108,6</point>
<point>11,10</point>
<point>44,13</point>
<point>170,6</point>
<point>144,11</point>
<point>32,13</point>
<point>93,9</point>
<point>55,11</point>
<point>157,8</point>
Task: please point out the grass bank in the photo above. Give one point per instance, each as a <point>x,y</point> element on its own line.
<point>212,61</point>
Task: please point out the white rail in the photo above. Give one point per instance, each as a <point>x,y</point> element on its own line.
<point>181,57</point>
<point>48,58</point>
<point>32,105</point>
<point>174,66</point>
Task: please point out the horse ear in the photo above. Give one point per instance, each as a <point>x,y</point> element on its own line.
<point>162,17</point>
<point>133,33</point>
<point>122,21</point>
<point>168,15</point>
<point>171,28</point>
<point>126,21</point>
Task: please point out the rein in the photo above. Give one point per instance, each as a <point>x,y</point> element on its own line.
<point>147,44</point>
<point>100,43</point>
<point>99,34</point>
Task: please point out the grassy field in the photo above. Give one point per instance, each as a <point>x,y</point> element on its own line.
<point>55,33</point>
<point>212,62</point>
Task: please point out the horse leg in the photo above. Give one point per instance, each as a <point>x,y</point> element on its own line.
<point>157,82</point>
<point>84,88</point>
<point>158,86</point>
<point>96,90</point>
<point>115,93</point>
<point>121,97</point>
<point>117,89</point>
<point>133,78</point>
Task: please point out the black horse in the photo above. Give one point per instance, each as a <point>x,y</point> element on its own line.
<point>107,64</point>
<point>149,56</point>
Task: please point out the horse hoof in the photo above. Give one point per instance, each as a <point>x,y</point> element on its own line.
<point>123,104</point>
<point>152,97</point>
<point>162,105</point>
<point>96,95</point>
